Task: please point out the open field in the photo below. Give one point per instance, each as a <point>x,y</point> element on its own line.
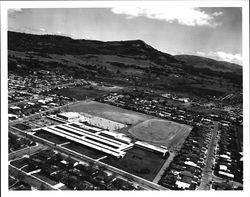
<point>79,93</point>
<point>161,132</point>
<point>110,112</point>
<point>140,162</point>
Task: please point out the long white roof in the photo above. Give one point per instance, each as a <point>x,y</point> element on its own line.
<point>70,114</point>
<point>87,138</point>
<point>86,142</point>
<point>150,146</point>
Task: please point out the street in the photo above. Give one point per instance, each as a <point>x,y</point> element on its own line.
<point>207,170</point>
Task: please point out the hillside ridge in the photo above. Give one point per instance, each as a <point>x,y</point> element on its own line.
<point>131,62</point>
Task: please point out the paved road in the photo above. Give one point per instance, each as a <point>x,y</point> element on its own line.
<point>207,170</point>
<point>162,170</point>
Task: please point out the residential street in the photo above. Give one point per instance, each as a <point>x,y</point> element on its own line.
<point>207,171</point>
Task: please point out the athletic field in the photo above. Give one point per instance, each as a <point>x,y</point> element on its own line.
<point>110,112</point>
<point>144,127</point>
<point>161,132</point>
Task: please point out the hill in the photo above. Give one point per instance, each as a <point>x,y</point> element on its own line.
<point>54,44</point>
<point>203,62</point>
<point>127,63</point>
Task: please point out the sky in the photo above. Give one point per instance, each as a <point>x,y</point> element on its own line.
<point>214,32</point>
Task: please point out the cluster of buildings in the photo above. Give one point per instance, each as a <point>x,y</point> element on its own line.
<point>90,119</point>
<point>185,171</point>
<point>229,158</point>
<point>26,97</point>
<point>177,98</point>
<point>65,173</point>
<point>39,104</point>
<point>41,81</point>
<point>151,105</point>
<point>18,96</point>
<point>33,86</point>
<point>163,106</point>
<point>16,142</point>
<point>86,136</point>
<point>17,185</point>
<point>78,128</point>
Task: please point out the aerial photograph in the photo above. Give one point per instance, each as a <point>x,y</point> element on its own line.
<point>125,98</point>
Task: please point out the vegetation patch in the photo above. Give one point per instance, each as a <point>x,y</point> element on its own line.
<point>79,93</point>
<point>51,137</point>
<point>140,162</point>
<point>161,132</point>
<point>84,150</point>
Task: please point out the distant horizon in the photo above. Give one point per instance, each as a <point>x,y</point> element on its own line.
<point>124,41</point>
<point>212,32</point>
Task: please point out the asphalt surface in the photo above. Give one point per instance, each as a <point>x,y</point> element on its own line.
<point>207,174</point>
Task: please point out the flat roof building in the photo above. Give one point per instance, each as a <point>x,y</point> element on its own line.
<point>90,138</point>
<point>69,116</point>
<point>150,147</point>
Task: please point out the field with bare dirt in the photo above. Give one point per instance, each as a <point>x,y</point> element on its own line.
<point>161,133</point>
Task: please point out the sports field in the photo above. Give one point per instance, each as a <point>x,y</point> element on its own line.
<point>140,162</point>
<point>110,112</point>
<point>161,132</point>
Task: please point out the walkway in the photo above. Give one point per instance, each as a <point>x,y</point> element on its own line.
<point>162,170</point>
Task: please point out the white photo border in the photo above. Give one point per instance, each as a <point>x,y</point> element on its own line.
<point>244,4</point>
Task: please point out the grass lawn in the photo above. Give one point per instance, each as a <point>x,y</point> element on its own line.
<point>84,150</point>
<point>161,132</point>
<point>110,112</point>
<point>51,137</point>
<point>140,162</point>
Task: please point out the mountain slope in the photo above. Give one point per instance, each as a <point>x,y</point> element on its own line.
<point>203,62</point>
<point>53,44</point>
<point>132,63</point>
